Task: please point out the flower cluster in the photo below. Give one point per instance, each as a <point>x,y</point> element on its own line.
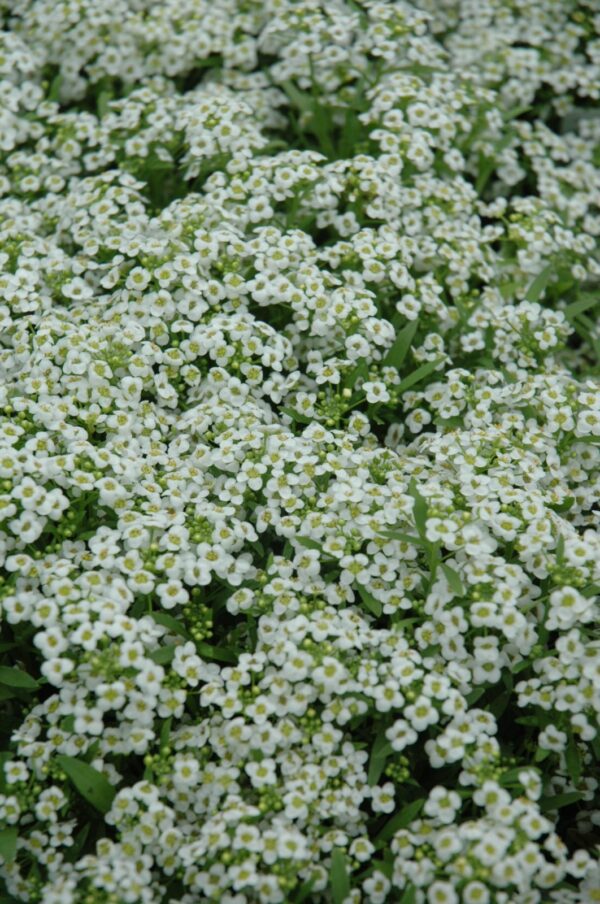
<point>299,465</point>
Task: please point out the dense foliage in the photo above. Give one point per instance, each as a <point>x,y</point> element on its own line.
<point>299,466</point>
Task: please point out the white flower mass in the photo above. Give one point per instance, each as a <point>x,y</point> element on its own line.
<point>299,451</point>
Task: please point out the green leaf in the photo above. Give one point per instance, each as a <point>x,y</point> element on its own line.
<point>507,290</point>
<point>560,800</point>
<point>103,103</point>
<point>163,655</point>
<point>17,678</point>
<point>350,134</point>
<point>403,538</point>
<point>399,350</point>
<point>434,558</point>
<point>420,508</point>
<point>410,894</point>
<point>537,286</point>
<point>405,622</point>
<point>8,843</point>
<point>582,304</point>
<point>54,88</point>
<point>520,667</point>
<point>4,757</point>
<point>309,543</point>
<point>372,604</point>
<point>90,783</point>
<point>508,681</point>
<point>6,694</point>
<point>167,621</point>
<point>516,111</point>
<point>528,720</point>
<point>165,732</point>
<point>474,695</point>
<point>498,706</point>
<point>68,723</point>
<point>511,777</point>
<point>361,370</point>
<point>384,866</point>
<point>419,374</point>
<point>338,877</point>
<point>401,820</point>
<point>573,759</point>
<point>304,891</point>
<point>300,99</point>
<point>296,416</point>
<point>454,582</point>
<point>79,841</point>
<point>220,653</point>
<point>379,754</point>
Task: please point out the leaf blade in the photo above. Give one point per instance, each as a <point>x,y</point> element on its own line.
<point>91,784</point>
<point>338,876</point>
<point>453,578</point>
<point>379,753</point>
<point>399,350</point>
<point>13,677</point>
<point>420,509</point>
<point>371,603</point>
<point>401,820</point>
<point>537,286</point>
<point>8,843</point>
<point>419,374</point>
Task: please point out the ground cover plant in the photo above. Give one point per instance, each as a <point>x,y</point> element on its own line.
<point>299,465</point>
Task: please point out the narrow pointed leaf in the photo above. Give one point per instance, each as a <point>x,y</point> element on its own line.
<point>219,653</point>
<point>399,350</point>
<point>338,877</point>
<point>163,655</point>
<point>537,286</point>
<point>454,582</point>
<point>560,800</point>
<point>401,820</point>
<point>419,509</point>
<point>90,783</point>
<point>167,621</point>
<point>573,759</point>
<point>402,537</point>
<point>581,305</point>
<point>8,843</point>
<point>17,678</point>
<point>379,754</point>
<point>410,895</point>
<point>419,374</point>
<point>372,604</point>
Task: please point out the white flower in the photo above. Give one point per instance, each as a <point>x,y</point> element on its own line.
<point>261,773</point>
<point>376,391</point>
<point>442,893</point>
<point>172,594</point>
<point>382,798</point>
<point>186,771</point>
<point>376,887</point>
<point>55,670</point>
<point>551,738</point>
<point>442,804</point>
<point>421,713</point>
<point>401,735</point>
<point>15,771</point>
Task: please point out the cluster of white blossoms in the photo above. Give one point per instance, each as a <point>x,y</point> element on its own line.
<point>299,465</point>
